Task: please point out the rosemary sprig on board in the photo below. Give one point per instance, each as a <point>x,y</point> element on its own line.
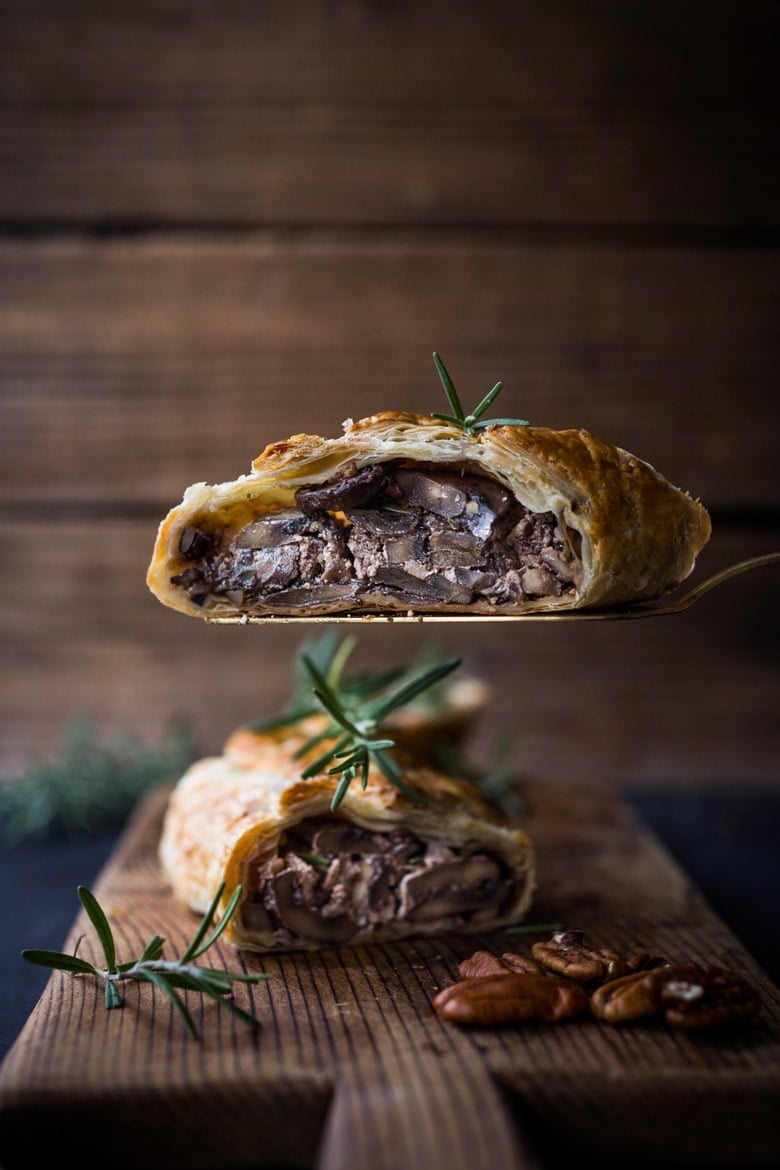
<point>354,727</point>
<point>473,422</point>
<point>169,976</point>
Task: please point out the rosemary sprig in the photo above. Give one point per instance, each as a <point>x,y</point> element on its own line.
<point>91,785</point>
<point>169,976</point>
<point>473,422</point>
<point>354,726</point>
<point>330,657</point>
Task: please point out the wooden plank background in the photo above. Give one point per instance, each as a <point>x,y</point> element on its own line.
<point>222,224</point>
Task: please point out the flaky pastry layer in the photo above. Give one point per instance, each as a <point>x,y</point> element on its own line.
<point>509,520</point>
<point>382,867</point>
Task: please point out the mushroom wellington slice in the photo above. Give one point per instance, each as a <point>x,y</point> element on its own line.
<point>411,513</point>
<point>384,862</point>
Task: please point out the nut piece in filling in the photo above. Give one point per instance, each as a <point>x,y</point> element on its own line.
<point>422,535</point>
<point>332,879</point>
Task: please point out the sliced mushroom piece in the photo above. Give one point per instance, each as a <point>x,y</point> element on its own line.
<point>403,549</point>
<point>432,493</point>
<point>497,498</point>
<point>434,587</point>
<point>383,521</point>
<point>272,530</point>
<point>349,490</point>
<point>275,566</point>
<point>475,579</point>
<point>255,917</point>
<point>450,547</point>
<point>455,888</point>
<point>308,597</point>
<point>381,892</point>
<point>304,922</point>
<point>188,577</point>
<point>194,544</point>
<point>346,838</point>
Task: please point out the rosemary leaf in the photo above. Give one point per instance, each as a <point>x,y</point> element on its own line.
<point>112,997</point>
<point>152,950</point>
<point>197,947</point>
<point>339,714</point>
<point>341,791</point>
<point>485,403</point>
<point>316,859</point>
<point>101,925</point>
<point>402,697</point>
<point>58,961</point>
<point>163,985</point>
<point>393,773</point>
<point>469,422</point>
<point>449,389</point>
<point>500,422</point>
<point>167,976</point>
<point>322,761</point>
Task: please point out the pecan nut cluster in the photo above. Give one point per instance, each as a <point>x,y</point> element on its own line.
<point>691,996</point>
<point>565,978</point>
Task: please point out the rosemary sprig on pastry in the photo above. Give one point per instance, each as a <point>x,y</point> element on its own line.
<point>329,653</point>
<point>354,727</point>
<point>471,423</point>
<point>169,976</point>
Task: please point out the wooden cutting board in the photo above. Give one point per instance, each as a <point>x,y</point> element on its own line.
<point>354,1069</point>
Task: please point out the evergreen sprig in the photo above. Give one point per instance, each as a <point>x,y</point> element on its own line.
<point>169,976</point>
<point>91,785</point>
<point>473,422</point>
<point>355,721</point>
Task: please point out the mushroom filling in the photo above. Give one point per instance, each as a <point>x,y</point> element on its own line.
<point>332,879</point>
<point>418,533</point>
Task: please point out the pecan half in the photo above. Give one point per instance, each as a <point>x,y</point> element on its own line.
<point>701,997</point>
<point>521,964</point>
<point>566,954</point>
<point>511,998</point>
<point>689,996</point>
<point>486,963</point>
<point>481,963</point>
<point>631,997</point>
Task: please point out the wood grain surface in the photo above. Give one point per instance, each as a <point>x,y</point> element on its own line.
<point>353,112</point>
<point>132,369</point>
<point>353,1068</point>
<point>221,224</point>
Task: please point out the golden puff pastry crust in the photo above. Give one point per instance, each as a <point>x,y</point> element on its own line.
<point>381,867</point>
<point>409,513</point>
